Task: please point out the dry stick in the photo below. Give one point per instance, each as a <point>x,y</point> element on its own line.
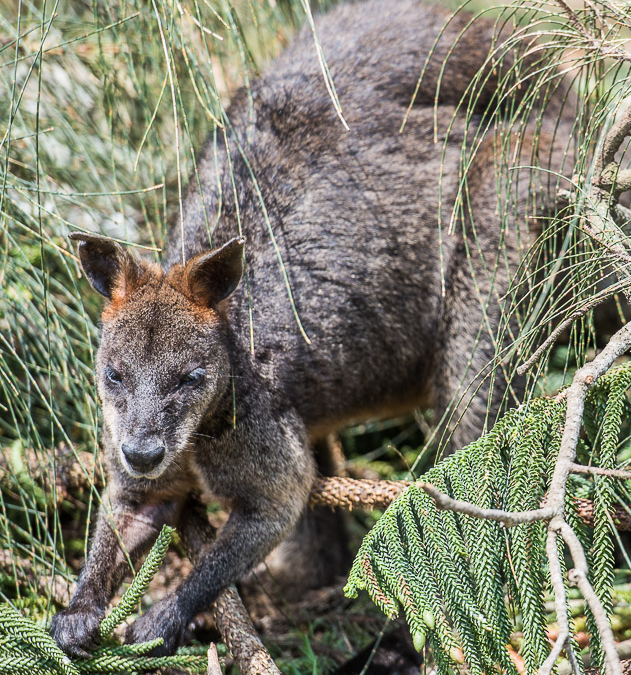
<point>605,48</point>
<point>506,518</point>
<point>599,471</point>
<point>556,575</point>
<point>578,577</point>
<point>621,515</point>
<point>240,636</point>
<point>620,129</point>
<point>599,222</point>
<point>73,471</point>
<point>583,381</point>
<point>214,667</point>
<point>554,335</point>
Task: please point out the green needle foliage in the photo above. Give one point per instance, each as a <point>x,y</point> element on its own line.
<point>30,637</point>
<point>25,646</point>
<point>140,584</point>
<point>450,573</point>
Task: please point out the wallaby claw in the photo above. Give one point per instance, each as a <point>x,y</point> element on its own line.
<point>77,631</point>
<point>162,620</point>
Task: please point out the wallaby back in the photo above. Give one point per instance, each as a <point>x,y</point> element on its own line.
<point>392,312</point>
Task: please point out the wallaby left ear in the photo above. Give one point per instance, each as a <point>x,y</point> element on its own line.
<point>212,277</point>
<point>106,264</point>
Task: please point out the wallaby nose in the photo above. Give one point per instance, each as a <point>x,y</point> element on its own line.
<point>143,461</point>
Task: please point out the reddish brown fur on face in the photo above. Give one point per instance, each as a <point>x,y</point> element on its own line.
<point>131,278</point>
<point>146,274</point>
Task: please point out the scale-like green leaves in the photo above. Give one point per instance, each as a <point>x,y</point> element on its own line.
<point>139,585</point>
<point>25,646</point>
<point>456,569</point>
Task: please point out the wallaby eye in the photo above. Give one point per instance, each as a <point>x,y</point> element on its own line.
<point>194,377</point>
<point>112,376</point>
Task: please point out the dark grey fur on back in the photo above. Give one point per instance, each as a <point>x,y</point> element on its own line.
<point>354,217</point>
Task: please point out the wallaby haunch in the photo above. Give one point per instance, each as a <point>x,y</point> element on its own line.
<point>209,385</point>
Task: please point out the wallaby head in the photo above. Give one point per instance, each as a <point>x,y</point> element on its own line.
<point>163,363</point>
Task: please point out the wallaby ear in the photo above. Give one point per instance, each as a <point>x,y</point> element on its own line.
<point>212,277</point>
<point>106,263</point>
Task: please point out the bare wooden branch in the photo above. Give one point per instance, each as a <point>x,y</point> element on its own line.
<point>615,179</point>
<point>578,577</point>
<point>214,667</point>
<point>240,636</point>
<point>506,518</point>
<point>612,142</point>
<point>560,605</point>
<point>599,471</point>
<point>608,182</point>
<point>584,379</point>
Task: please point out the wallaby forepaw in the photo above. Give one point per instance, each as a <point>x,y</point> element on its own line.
<point>162,620</point>
<point>76,631</point>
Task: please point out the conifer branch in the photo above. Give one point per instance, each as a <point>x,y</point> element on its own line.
<point>599,471</point>
<point>350,493</point>
<point>505,518</point>
<point>139,585</point>
<point>418,559</point>
<point>602,227</point>
<point>578,577</point>
<point>556,578</point>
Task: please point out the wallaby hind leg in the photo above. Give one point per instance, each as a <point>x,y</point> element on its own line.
<point>469,381</point>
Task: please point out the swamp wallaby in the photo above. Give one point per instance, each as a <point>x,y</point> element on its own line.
<point>215,383</point>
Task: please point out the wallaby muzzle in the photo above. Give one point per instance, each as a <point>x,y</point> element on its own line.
<point>143,460</point>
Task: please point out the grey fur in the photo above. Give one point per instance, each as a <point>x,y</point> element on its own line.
<point>354,217</point>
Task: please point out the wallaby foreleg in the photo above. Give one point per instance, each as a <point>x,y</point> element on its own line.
<point>121,538</point>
